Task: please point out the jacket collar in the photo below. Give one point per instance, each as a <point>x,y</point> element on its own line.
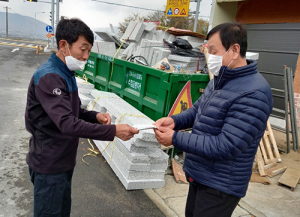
<point>61,65</point>
<point>228,74</point>
<point>250,68</point>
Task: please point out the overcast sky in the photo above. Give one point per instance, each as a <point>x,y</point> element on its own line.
<point>95,14</point>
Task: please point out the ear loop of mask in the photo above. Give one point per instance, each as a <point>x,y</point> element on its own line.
<point>222,71</point>
<point>68,50</point>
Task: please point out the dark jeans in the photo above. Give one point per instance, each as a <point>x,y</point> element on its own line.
<point>52,194</point>
<point>204,201</point>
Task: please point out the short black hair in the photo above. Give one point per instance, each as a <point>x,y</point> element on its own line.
<point>71,29</point>
<point>231,33</point>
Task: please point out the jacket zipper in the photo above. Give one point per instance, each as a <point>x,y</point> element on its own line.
<point>210,97</point>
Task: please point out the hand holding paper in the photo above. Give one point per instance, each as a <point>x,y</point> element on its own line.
<point>125,132</point>
<point>167,122</point>
<point>164,135</point>
<point>144,126</point>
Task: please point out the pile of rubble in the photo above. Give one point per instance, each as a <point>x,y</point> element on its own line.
<point>144,42</point>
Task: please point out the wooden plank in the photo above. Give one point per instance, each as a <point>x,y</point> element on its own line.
<point>278,171</point>
<point>290,178</point>
<point>257,178</point>
<point>270,170</point>
<point>263,152</point>
<point>269,150</point>
<point>270,165</point>
<point>260,163</point>
<point>178,172</point>
<point>273,142</point>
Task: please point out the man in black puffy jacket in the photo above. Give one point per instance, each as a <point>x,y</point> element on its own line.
<point>227,123</point>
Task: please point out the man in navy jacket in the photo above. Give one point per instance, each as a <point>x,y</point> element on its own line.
<point>56,120</point>
<point>227,123</point>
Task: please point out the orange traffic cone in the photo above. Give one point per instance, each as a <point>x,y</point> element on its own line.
<point>38,49</point>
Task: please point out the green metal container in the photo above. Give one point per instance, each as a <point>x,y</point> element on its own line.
<point>151,91</point>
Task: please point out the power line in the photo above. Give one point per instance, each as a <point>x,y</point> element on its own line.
<point>130,6</point>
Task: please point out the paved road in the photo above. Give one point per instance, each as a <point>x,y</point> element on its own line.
<point>96,189</point>
<point>20,43</point>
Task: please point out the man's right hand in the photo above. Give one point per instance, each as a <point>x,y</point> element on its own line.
<point>125,132</point>
<point>167,122</point>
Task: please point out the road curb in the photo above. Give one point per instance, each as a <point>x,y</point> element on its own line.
<point>160,203</point>
<point>250,209</point>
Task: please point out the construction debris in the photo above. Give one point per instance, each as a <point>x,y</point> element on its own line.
<point>145,45</point>
<point>290,178</point>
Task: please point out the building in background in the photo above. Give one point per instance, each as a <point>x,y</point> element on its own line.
<point>273,32</point>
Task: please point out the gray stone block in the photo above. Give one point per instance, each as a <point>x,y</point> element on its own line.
<point>119,157</point>
<point>154,38</point>
<point>158,157</point>
<point>154,57</point>
<point>143,142</point>
<point>132,148</point>
<point>137,52</point>
<point>160,35</point>
<point>163,54</point>
<point>129,50</point>
<point>105,48</point>
<point>152,44</point>
<point>150,56</point>
<point>190,64</point>
<point>118,107</point>
<point>139,162</point>
<point>134,31</point>
<point>131,170</point>
<point>147,35</point>
<point>85,100</point>
<point>132,184</point>
<point>150,26</point>
<point>143,47</point>
<point>171,38</point>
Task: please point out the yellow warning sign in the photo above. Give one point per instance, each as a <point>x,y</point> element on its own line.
<point>177,8</point>
<point>49,35</point>
<point>183,101</point>
<point>183,12</point>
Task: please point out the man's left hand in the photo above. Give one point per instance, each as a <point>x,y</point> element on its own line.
<point>103,118</point>
<point>164,135</point>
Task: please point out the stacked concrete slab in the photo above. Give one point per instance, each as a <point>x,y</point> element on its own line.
<point>156,54</point>
<point>106,48</point>
<point>84,91</point>
<point>139,163</point>
<point>134,31</point>
<point>189,64</point>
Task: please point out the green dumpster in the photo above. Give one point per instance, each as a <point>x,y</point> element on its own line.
<point>151,91</point>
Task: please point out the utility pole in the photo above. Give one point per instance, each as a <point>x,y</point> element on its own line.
<point>57,13</point>
<point>52,22</point>
<point>6,20</point>
<point>196,15</point>
<point>35,23</point>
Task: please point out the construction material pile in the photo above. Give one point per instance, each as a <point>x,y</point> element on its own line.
<point>144,44</point>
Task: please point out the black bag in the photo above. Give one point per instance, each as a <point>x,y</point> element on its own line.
<point>182,43</point>
<point>181,51</point>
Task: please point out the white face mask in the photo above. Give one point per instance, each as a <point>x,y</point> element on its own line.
<point>214,63</point>
<point>73,63</point>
